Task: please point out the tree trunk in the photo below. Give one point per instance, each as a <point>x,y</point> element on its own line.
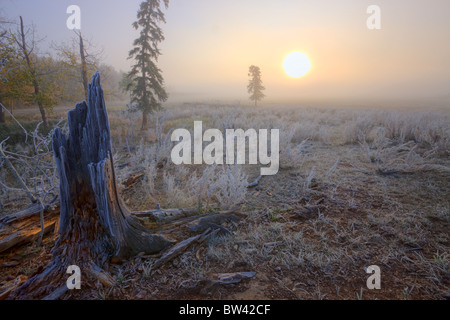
<point>32,70</point>
<point>95,225</point>
<point>42,111</point>
<point>84,76</point>
<point>144,120</point>
<point>144,111</point>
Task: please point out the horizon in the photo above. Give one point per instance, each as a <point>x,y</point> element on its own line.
<point>210,45</point>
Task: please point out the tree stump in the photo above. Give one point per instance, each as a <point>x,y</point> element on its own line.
<point>95,224</point>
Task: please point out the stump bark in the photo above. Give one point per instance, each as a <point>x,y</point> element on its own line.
<point>95,225</point>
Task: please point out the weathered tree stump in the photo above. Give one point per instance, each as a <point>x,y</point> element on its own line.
<point>95,224</point>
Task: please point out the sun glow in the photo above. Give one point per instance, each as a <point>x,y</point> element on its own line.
<point>297,64</point>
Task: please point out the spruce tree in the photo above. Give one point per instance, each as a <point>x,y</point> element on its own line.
<point>255,86</point>
<point>148,92</point>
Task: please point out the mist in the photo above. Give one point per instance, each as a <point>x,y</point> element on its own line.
<point>209,46</point>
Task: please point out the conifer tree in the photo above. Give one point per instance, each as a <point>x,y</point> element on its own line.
<point>255,87</point>
<point>148,92</point>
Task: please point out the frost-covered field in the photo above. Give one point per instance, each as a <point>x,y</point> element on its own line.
<point>356,187</point>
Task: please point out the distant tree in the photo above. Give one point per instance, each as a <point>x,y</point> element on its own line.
<point>111,82</point>
<point>255,87</point>
<point>26,43</point>
<point>148,92</point>
<point>11,76</point>
<point>14,80</point>
<point>80,60</point>
<point>15,84</point>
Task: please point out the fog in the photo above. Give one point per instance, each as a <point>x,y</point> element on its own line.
<point>210,45</point>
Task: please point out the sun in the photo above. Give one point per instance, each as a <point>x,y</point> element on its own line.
<point>297,64</point>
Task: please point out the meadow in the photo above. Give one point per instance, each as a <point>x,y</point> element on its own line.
<point>356,187</point>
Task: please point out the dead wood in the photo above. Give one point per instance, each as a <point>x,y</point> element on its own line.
<point>95,225</point>
<point>28,212</point>
<point>175,251</point>
<point>12,286</point>
<point>236,277</point>
<point>25,227</point>
<point>58,293</point>
<point>254,183</point>
<point>162,216</point>
<point>35,209</point>
<point>182,246</point>
<point>215,220</point>
<point>206,286</point>
<point>102,276</point>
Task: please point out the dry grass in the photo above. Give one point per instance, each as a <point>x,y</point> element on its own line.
<point>356,187</point>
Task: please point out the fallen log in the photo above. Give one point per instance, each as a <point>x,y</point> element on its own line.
<point>232,278</point>
<point>102,276</point>
<point>13,285</point>
<point>26,229</point>
<point>176,251</point>
<point>182,246</point>
<point>58,293</point>
<point>162,216</point>
<point>28,212</point>
<point>206,286</point>
<point>215,220</point>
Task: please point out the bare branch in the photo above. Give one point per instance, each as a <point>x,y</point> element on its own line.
<point>17,176</point>
<point>10,114</point>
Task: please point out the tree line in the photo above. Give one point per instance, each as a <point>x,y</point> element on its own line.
<point>31,77</point>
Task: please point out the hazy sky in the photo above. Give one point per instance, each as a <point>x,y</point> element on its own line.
<point>211,43</point>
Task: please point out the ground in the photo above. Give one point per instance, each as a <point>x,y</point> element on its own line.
<point>338,205</point>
